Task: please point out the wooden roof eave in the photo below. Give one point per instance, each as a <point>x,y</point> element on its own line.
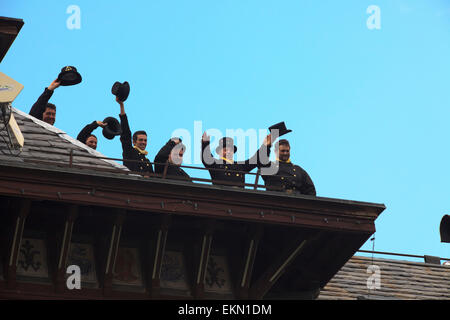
<point>9,29</point>
<point>133,192</point>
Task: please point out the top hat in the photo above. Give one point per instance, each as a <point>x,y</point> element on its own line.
<point>444,228</point>
<point>69,76</point>
<point>121,90</point>
<point>112,128</point>
<point>281,127</point>
<point>225,142</point>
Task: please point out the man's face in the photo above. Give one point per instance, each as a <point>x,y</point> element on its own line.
<point>49,116</point>
<point>284,152</point>
<point>228,153</point>
<point>92,142</point>
<point>141,141</point>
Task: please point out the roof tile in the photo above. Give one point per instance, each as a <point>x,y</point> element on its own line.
<point>398,280</point>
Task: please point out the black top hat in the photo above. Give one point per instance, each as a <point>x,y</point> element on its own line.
<point>225,142</point>
<point>121,90</point>
<point>69,76</point>
<point>112,128</point>
<point>281,127</point>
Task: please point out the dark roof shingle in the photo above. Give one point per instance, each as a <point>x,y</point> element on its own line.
<point>399,279</point>
<point>44,142</point>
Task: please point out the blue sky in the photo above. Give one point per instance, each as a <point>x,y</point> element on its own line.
<point>369,109</point>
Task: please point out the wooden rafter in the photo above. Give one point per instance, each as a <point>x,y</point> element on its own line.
<point>245,275</point>
<point>112,250</point>
<point>276,269</point>
<point>65,246</point>
<point>157,254</point>
<point>21,212</point>
<point>203,257</point>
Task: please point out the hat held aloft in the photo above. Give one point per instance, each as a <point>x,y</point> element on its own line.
<point>69,76</point>
<point>281,127</point>
<point>121,90</point>
<point>112,128</point>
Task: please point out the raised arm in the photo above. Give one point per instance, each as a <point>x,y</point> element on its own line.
<point>125,137</point>
<point>40,105</point>
<point>163,155</point>
<point>207,158</point>
<point>87,130</point>
<point>261,157</point>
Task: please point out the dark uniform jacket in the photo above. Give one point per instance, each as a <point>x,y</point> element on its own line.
<point>290,178</point>
<point>173,171</point>
<point>130,153</point>
<point>235,178</point>
<point>86,131</point>
<point>40,105</point>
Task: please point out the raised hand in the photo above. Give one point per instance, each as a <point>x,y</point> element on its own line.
<point>101,124</point>
<point>118,101</point>
<point>205,137</point>
<point>55,84</point>
<point>268,140</point>
<point>122,108</point>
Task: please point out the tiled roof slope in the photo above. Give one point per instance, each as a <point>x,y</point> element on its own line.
<point>402,280</point>
<point>44,142</point>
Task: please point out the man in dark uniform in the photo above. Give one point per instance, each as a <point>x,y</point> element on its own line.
<point>226,150</point>
<point>172,153</point>
<point>86,135</point>
<point>290,178</point>
<point>42,109</point>
<point>135,151</point>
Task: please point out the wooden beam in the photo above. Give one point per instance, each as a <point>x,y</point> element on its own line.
<point>112,250</point>
<point>9,30</point>
<point>251,247</point>
<point>276,269</point>
<point>157,254</point>
<point>64,248</point>
<point>166,196</point>
<point>202,261</point>
<point>348,246</point>
<point>22,209</point>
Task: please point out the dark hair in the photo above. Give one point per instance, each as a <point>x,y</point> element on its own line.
<point>282,142</point>
<point>51,106</point>
<point>91,135</point>
<point>137,133</point>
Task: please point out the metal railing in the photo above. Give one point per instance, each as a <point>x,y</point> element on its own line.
<point>70,164</point>
<point>400,254</point>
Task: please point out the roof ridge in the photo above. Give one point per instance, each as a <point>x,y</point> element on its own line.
<point>63,135</point>
<point>400,261</point>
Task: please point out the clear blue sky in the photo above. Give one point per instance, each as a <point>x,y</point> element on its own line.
<point>369,109</point>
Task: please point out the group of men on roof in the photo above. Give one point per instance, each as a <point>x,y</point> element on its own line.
<point>287,177</point>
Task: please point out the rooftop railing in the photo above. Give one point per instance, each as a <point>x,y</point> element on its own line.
<point>427,259</point>
<point>71,164</point>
